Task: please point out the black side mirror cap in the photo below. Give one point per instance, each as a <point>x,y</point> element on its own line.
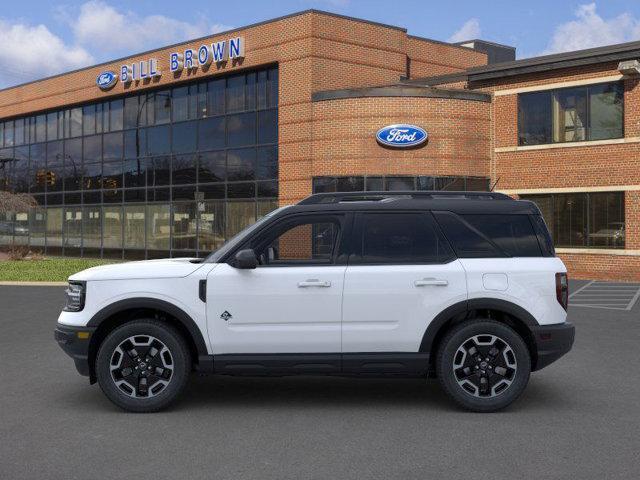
<point>246,259</point>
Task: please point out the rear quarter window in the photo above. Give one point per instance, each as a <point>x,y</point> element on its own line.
<point>486,235</point>
<point>512,233</point>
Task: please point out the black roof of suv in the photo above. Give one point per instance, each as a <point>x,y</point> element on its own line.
<point>457,202</point>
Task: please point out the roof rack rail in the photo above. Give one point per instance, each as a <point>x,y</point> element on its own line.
<point>338,197</point>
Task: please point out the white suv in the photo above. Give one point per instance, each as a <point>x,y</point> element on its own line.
<point>462,286</point>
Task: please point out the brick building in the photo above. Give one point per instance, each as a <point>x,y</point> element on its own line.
<point>171,151</point>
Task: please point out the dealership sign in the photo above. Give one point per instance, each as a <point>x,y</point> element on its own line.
<point>189,59</point>
<point>106,80</point>
<point>401,136</point>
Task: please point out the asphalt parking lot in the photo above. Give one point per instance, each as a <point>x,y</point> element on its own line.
<point>579,418</point>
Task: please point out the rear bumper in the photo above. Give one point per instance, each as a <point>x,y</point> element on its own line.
<point>552,342</point>
<point>75,343</point>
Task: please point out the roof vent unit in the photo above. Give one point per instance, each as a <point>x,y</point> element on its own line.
<point>629,67</point>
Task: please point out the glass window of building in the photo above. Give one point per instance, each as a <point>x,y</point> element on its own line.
<point>120,178</point>
<point>593,112</point>
<point>584,220</point>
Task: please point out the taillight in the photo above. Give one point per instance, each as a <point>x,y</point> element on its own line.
<point>562,289</point>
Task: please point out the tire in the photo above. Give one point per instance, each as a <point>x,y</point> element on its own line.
<point>145,345</point>
<point>460,368</point>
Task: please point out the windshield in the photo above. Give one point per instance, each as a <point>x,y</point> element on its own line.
<point>239,237</point>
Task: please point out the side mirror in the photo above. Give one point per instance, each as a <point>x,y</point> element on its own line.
<point>246,259</point>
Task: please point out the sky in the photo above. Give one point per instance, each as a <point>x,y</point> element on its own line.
<point>39,38</point>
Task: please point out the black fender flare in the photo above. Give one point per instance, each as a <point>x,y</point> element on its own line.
<point>156,304</point>
<point>465,306</point>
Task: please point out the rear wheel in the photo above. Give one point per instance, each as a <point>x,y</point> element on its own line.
<point>483,365</point>
<point>143,365</point>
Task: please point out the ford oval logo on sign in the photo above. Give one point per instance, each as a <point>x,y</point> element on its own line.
<point>401,136</point>
<point>106,80</point>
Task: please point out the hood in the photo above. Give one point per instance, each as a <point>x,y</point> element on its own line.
<point>152,269</point>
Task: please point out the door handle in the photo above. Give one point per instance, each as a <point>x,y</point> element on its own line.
<point>314,283</point>
<point>426,282</point>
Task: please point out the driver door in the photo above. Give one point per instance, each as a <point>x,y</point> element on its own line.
<point>290,303</point>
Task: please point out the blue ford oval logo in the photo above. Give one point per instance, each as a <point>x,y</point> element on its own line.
<point>401,136</point>
<point>106,80</point>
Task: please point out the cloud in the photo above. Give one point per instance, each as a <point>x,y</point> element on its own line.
<point>98,31</point>
<point>591,30</point>
<point>469,31</point>
<point>104,29</point>
<point>28,52</point>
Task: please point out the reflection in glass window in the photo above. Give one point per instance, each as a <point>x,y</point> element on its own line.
<point>241,129</point>
<point>37,226</point>
<point>421,183</point>
<point>92,227</point>
<point>92,149</point>
<point>184,226</point>
<point>162,107</point>
<point>240,214</point>
<point>184,137</point>
<point>134,226</point>
<point>268,126</point>
<point>235,93</point>
<point>211,226</point>
<point>241,164</point>
<point>158,227</point>
<point>54,227</point>
<point>112,145</point>
<point>116,118</point>
<point>606,106</point>
<point>593,220</point>
<point>176,145</point>
<point>184,169</point>
<point>216,97</point>
<point>158,140</point>
<point>180,103</point>
<point>592,112</point>
<point>72,227</point>
<point>112,236</point>
<point>211,133</point>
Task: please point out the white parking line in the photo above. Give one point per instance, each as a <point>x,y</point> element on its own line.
<point>611,296</point>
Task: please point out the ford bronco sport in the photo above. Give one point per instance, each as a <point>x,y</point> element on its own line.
<point>462,286</point>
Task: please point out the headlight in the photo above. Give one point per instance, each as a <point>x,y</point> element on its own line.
<point>74,295</point>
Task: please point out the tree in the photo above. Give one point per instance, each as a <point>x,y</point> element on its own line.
<point>16,202</point>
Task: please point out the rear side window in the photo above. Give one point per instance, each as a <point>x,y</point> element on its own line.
<point>512,233</point>
<point>394,238</point>
<point>466,240</point>
<point>475,236</point>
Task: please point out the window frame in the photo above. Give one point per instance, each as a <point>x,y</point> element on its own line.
<point>263,237</point>
<point>274,225</point>
<point>552,93</point>
<point>355,255</point>
<point>588,196</point>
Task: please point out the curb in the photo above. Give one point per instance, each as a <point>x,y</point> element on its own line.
<point>34,284</point>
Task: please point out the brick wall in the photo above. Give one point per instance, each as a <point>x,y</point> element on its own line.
<point>344,137</point>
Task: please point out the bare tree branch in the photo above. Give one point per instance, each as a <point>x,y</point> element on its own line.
<point>16,202</point>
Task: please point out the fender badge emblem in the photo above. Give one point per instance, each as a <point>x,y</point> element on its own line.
<point>226,316</point>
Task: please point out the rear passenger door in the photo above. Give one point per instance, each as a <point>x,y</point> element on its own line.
<point>401,274</point>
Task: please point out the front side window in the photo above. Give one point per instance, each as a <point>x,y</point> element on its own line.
<point>593,112</point>
<point>396,238</point>
<point>305,241</point>
<point>583,220</point>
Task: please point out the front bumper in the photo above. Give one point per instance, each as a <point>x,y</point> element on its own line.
<point>75,343</point>
<point>552,342</point>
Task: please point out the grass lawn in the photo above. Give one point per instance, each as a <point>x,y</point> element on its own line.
<point>50,269</point>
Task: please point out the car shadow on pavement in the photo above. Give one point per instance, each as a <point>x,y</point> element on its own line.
<point>206,392</point>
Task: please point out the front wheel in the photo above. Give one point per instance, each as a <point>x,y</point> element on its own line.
<point>142,366</point>
<point>483,365</point>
